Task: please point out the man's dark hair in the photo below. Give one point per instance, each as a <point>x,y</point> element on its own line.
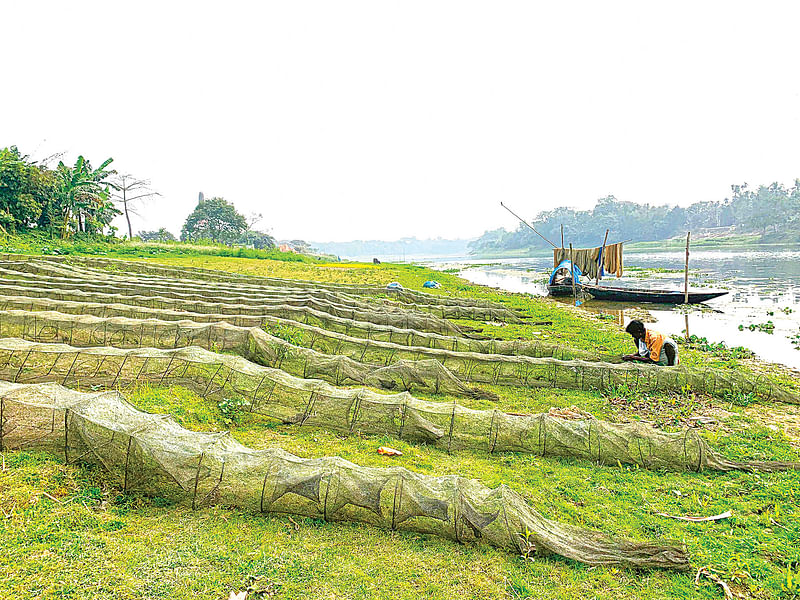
<point>635,327</point>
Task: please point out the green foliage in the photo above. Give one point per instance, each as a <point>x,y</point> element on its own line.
<point>162,235</point>
<point>83,201</point>
<point>214,219</point>
<point>795,339</point>
<point>66,199</point>
<point>601,316</point>
<point>768,327</point>
<point>257,239</point>
<point>790,586</point>
<point>231,409</point>
<point>740,398</point>
<point>293,335</point>
<point>25,190</point>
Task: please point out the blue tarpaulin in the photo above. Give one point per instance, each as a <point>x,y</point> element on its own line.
<point>565,264</point>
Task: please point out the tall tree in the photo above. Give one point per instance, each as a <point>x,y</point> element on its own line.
<point>129,191</point>
<point>26,188</point>
<point>214,219</point>
<point>83,195</point>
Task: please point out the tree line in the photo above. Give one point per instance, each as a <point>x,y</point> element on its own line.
<point>772,211</point>
<point>66,200</point>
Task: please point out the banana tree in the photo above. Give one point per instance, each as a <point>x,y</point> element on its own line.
<point>82,193</point>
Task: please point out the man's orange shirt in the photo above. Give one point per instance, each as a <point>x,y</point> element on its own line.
<point>654,342</point>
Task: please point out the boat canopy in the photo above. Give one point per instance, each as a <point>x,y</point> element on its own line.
<point>564,266</point>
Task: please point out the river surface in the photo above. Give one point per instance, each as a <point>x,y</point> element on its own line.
<point>763,286</point>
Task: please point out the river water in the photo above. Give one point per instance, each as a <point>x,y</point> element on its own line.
<point>763,286</point>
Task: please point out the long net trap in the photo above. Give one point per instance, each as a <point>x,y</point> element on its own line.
<point>104,267</point>
<point>153,454</point>
<point>404,319</point>
<point>306,402</point>
<point>359,361</point>
<point>301,317</point>
<point>198,291</point>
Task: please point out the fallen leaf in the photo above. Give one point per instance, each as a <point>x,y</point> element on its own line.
<point>692,519</point>
<point>707,573</point>
<point>386,451</point>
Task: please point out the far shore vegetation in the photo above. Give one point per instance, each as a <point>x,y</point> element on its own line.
<point>767,214</point>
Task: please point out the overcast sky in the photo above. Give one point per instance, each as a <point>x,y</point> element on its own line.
<point>347,120</point>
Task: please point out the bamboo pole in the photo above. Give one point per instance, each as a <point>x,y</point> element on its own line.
<point>686,283</point>
<point>572,272</point>
<point>562,236</point>
<point>602,251</point>
<point>528,225</point>
<point>686,271</point>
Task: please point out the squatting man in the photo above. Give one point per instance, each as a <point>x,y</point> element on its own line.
<point>652,347</point>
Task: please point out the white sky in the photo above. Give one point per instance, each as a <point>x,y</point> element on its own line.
<point>345,120</point>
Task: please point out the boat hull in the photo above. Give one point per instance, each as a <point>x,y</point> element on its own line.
<point>561,290</point>
<point>615,294</point>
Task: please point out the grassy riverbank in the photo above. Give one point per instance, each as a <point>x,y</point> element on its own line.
<point>36,243</point>
<point>66,533</point>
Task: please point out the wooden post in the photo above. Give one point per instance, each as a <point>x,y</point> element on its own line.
<point>686,272</point>
<point>562,236</point>
<point>602,251</point>
<point>572,272</point>
<point>686,284</point>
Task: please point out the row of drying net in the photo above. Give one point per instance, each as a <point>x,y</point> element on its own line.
<point>197,291</point>
<point>248,342</point>
<point>405,320</point>
<point>304,402</point>
<point>200,290</point>
<point>44,267</point>
<point>28,274</point>
<point>310,325</point>
<point>92,265</point>
<point>451,372</point>
<point>155,455</point>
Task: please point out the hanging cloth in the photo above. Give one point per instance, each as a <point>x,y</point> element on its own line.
<point>585,259</point>
<point>612,259</point>
<point>593,261</point>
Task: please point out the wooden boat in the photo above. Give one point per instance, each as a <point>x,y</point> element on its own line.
<point>622,294</point>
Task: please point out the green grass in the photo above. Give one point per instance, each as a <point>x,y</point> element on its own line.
<point>41,244</point>
<point>98,543</point>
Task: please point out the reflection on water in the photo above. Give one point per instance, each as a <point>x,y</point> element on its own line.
<point>763,285</point>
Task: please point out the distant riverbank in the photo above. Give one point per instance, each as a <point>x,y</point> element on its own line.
<point>751,241</point>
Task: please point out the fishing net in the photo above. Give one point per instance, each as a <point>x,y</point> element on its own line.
<point>248,342</point>
<point>312,325</point>
<point>405,319</point>
<point>208,290</point>
<point>155,455</point>
<point>305,402</point>
<point>104,266</point>
<point>456,368</point>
